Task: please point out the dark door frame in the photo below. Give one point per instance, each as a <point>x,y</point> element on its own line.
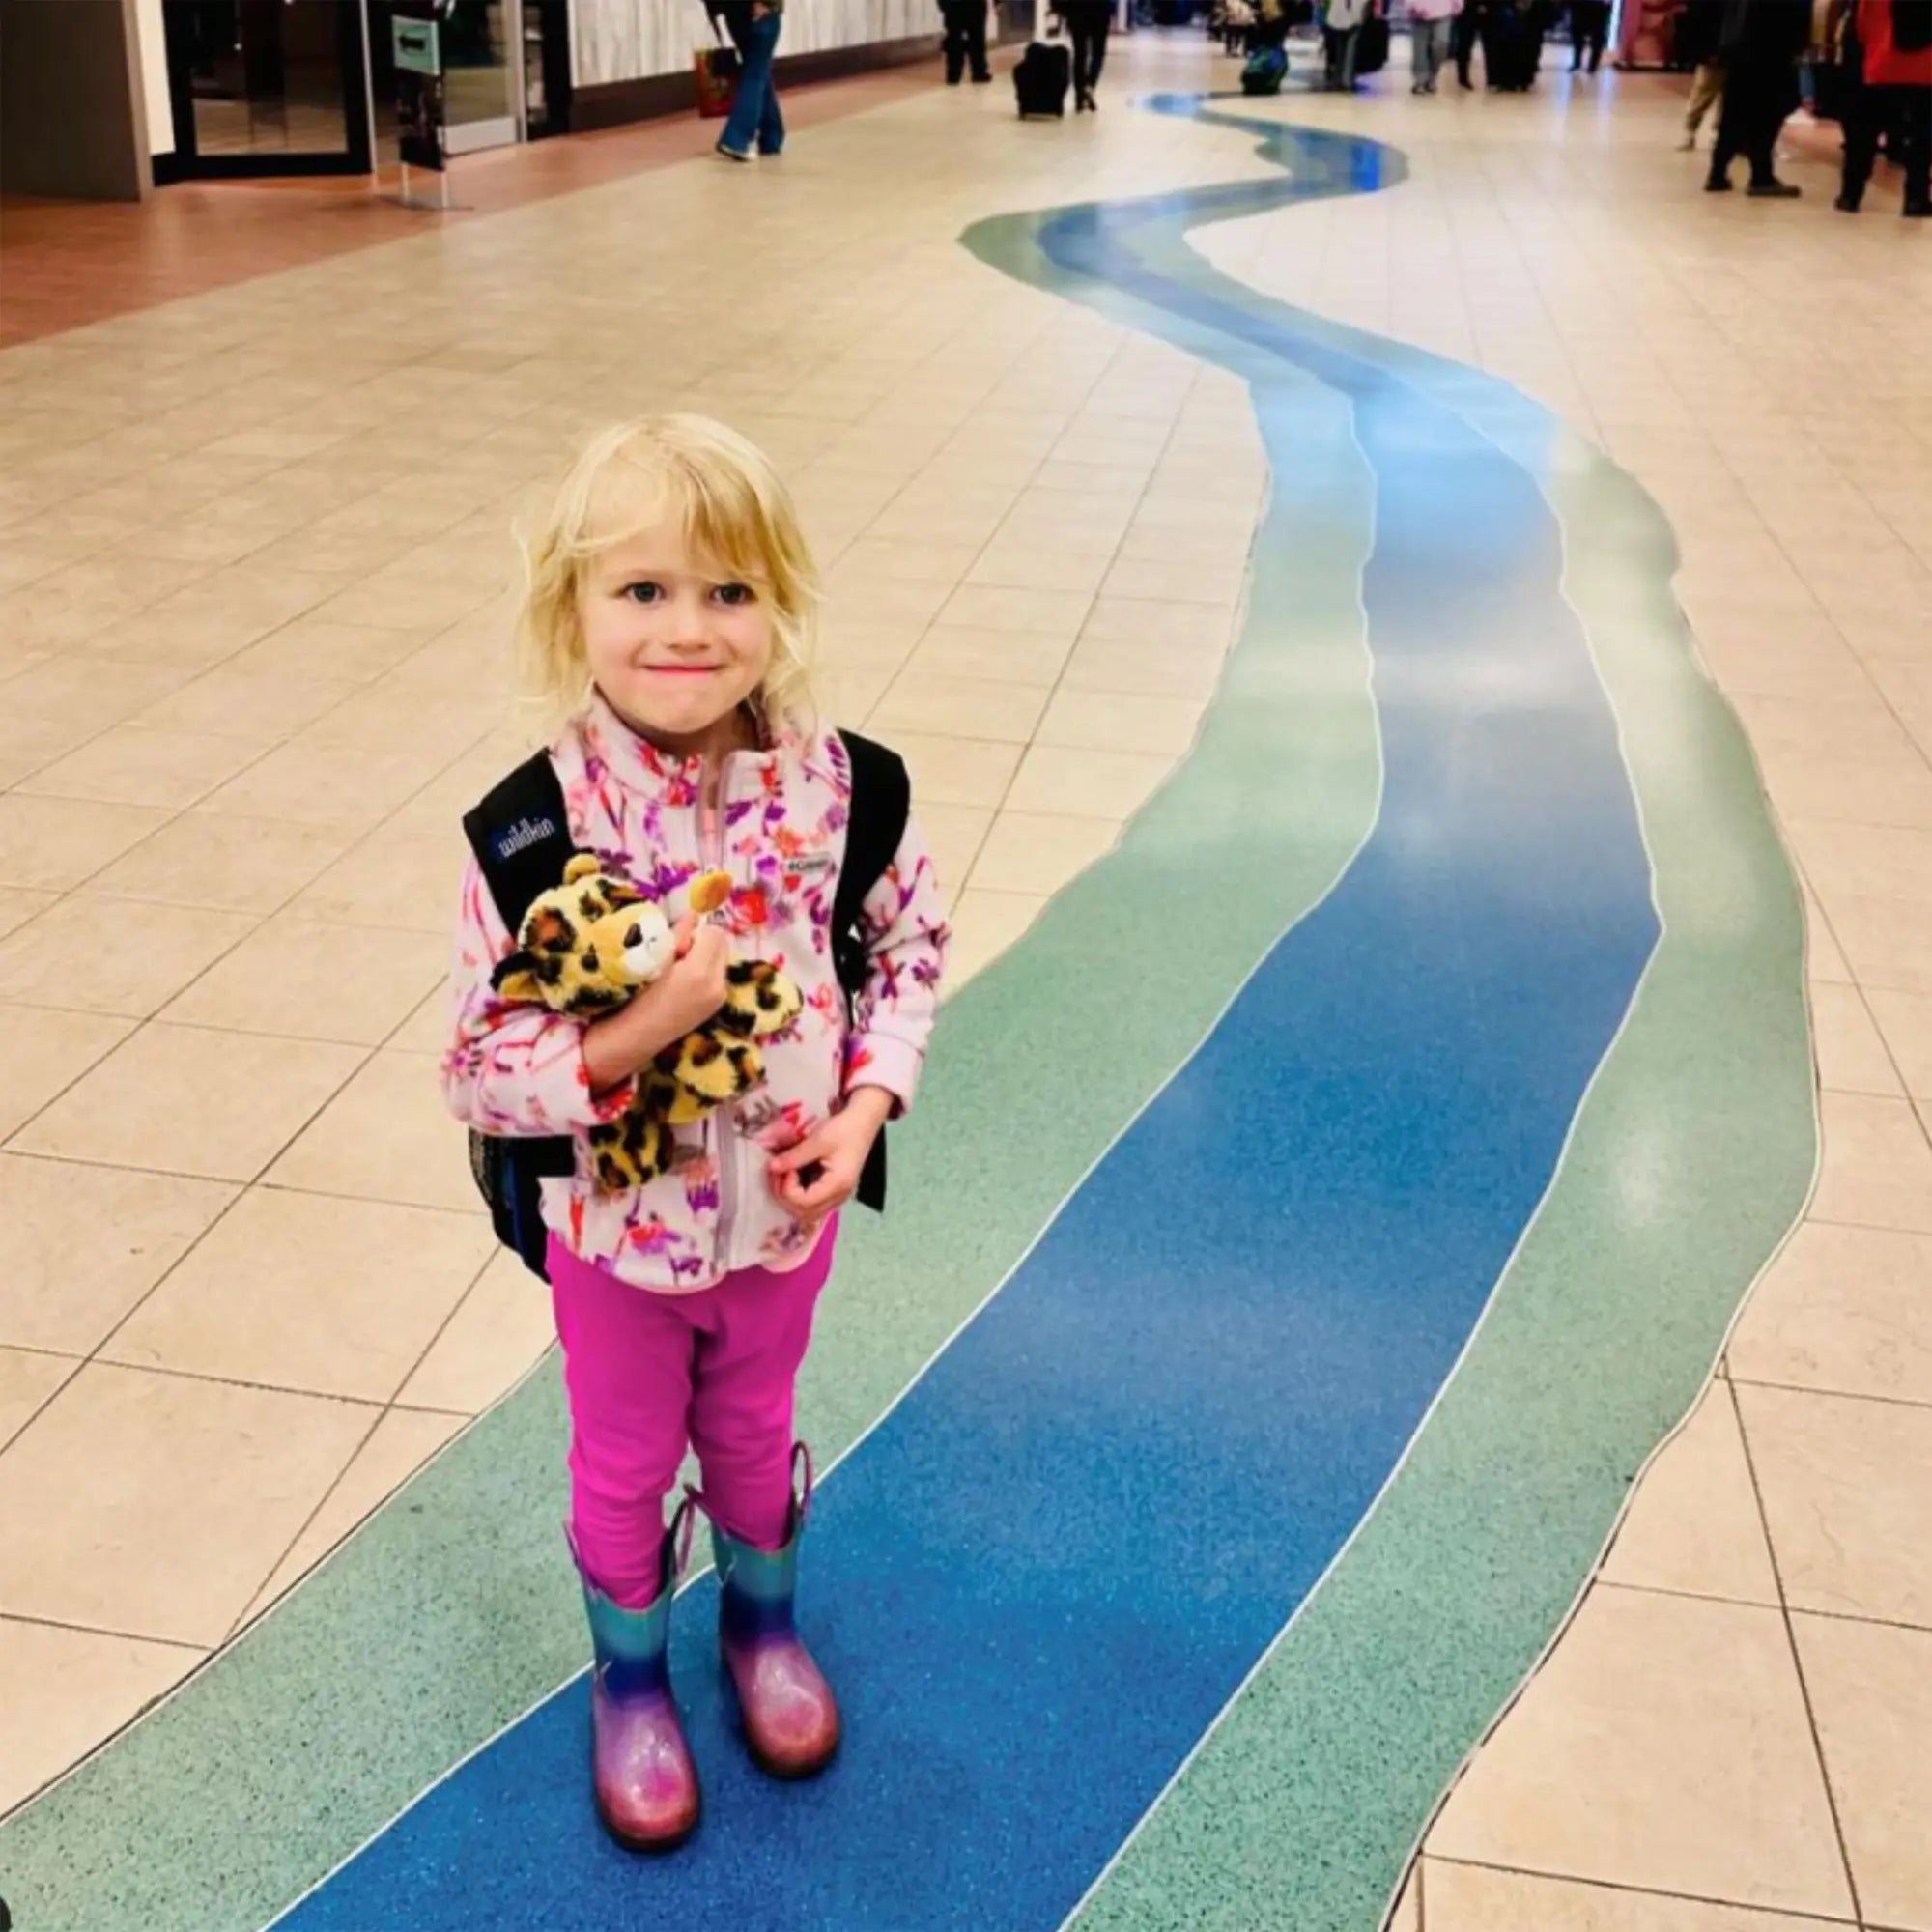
<point>187,163</point>
<point>552,50</point>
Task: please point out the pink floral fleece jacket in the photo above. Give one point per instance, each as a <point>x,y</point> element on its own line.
<point>779,830</point>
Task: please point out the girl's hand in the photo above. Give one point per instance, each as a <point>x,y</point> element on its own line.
<point>691,990</point>
<point>692,987</point>
<point>820,1174</point>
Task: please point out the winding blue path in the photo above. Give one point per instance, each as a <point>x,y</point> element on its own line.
<point>1041,1577</point>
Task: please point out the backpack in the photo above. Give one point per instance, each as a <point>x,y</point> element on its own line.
<point>1262,74</point>
<point>520,832</point>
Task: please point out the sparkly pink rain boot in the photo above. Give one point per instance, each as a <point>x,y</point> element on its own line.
<point>641,1767</point>
<point>789,1716</point>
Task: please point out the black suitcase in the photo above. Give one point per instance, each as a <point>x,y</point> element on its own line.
<point>1372,49</point>
<point>1041,80</point>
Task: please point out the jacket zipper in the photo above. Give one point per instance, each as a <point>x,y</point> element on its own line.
<point>727,1140</point>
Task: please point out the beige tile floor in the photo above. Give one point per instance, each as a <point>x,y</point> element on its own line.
<point>253,588</point>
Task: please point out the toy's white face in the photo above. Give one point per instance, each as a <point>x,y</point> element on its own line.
<point>648,945</point>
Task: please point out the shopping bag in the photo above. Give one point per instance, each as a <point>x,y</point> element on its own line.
<point>717,70</point>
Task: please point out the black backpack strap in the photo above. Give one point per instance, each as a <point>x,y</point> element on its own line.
<point>519,831</point>
<point>881,802</point>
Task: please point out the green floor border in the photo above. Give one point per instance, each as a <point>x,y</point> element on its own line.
<point>1302,1806</point>
<point>452,1609</point>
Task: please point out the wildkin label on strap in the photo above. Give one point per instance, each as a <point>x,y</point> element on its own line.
<point>522,836</point>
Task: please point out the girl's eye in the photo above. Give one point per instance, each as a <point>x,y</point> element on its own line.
<point>642,593</point>
<point>735,594</point>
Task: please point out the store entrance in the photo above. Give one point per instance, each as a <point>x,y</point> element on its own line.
<point>266,87</point>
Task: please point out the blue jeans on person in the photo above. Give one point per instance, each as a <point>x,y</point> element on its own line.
<point>755,113</point>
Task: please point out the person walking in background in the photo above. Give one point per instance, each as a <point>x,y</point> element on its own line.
<point>1589,32</point>
<point>1700,26</point>
<point>1235,24</point>
<point>1430,23</point>
<point>1763,42</point>
<point>1341,37</point>
<point>965,41</point>
<point>754,26</point>
<point>1087,22</point>
<point>1890,52</point>
<point>1469,26</point>
<point>1538,17</point>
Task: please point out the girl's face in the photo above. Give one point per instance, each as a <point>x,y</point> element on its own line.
<point>674,649</point>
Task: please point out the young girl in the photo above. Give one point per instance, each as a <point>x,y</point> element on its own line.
<point>671,605</point>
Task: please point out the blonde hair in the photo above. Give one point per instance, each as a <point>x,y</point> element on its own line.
<point>734,512</point>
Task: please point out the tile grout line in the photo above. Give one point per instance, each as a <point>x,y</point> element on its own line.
<point>270,1186</point>
<point>40,1407</point>
<point>1114,558</point>
<point>242,1190</point>
<point>1859,986</point>
<point>142,1025</point>
<point>254,1606</point>
<point>1583,1881</point>
<point>173,1372</point>
<point>250,1611</point>
<point>65,894</point>
<point>979,555</point>
<point>1876,689</point>
<point>1797,1658</point>
<point>1758,1604</point>
<point>102,1629</point>
<point>1835,1394</point>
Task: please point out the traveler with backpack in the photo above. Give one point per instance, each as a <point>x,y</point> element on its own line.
<point>1890,93</point>
<point>670,606</point>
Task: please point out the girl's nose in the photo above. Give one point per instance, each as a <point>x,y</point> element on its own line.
<point>691,622</point>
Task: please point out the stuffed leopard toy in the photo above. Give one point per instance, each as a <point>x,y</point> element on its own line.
<point>585,947</point>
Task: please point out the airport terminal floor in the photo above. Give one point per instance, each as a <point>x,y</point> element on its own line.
<point>1396,1384</point>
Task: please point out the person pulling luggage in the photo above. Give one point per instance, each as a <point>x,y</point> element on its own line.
<point>1087,22</point>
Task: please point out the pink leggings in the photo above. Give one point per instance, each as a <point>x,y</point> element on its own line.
<point>647,1375</point>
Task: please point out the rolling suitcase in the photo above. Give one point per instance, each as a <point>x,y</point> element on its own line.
<point>1041,80</point>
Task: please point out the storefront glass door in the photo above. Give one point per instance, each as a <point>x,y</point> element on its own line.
<point>266,87</point>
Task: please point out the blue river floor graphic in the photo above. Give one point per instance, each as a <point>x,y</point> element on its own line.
<point>1041,1577</point>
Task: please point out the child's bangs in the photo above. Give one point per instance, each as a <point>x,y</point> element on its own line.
<point>725,529</point>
